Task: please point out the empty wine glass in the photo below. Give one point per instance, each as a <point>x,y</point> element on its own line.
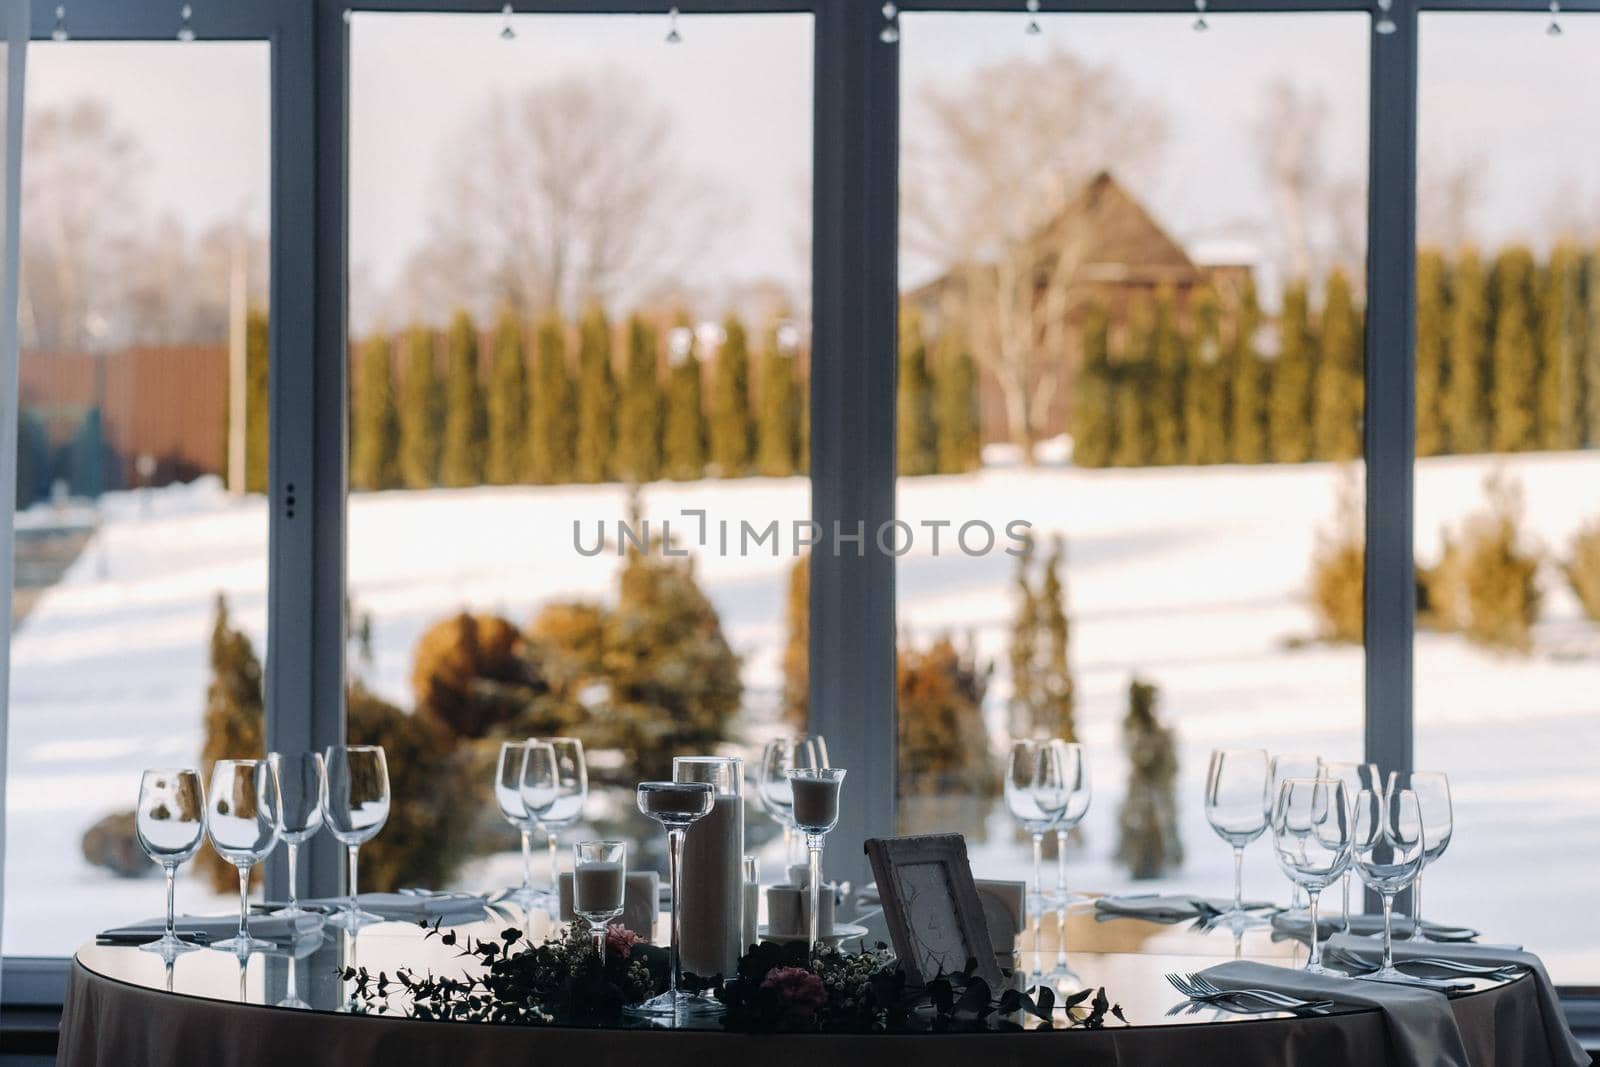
<point>1433,796</point>
<point>782,755</point>
<point>242,821</point>
<point>571,783</point>
<point>1036,795</point>
<point>816,813</point>
<point>508,798</point>
<point>1311,837</point>
<point>1236,808</point>
<point>599,875</point>
<point>1282,769</point>
<point>356,807</point>
<point>1387,849</point>
<point>676,806</point>
<point>1075,772</point>
<point>1356,777</point>
<point>170,822</point>
<point>302,779</point>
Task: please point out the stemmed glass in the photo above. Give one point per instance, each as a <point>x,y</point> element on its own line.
<point>1356,777</point>
<point>170,822</point>
<point>816,812</point>
<point>1387,850</point>
<point>242,821</point>
<point>508,798</point>
<point>1311,837</point>
<point>675,805</point>
<point>1236,808</point>
<point>782,755</point>
<point>1036,794</point>
<point>302,779</point>
<point>356,807</point>
<point>599,873</point>
<point>1282,769</point>
<point>1075,772</point>
<point>571,783</point>
<point>1433,795</point>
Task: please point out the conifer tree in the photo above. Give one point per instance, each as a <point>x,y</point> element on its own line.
<point>1024,643</point>
<point>1338,398</point>
<point>1092,440</point>
<point>1558,395</point>
<point>508,402</point>
<point>1465,407</point>
<point>684,441</point>
<point>917,444</point>
<point>1432,349</point>
<point>258,412</point>
<point>1205,401</point>
<point>593,461</point>
<point>374,425</point>
<point>466,417</point>
<point>421,414</point>
<point>1513,355</point>
<point>1589,373</point>
<point>1289,398</point>
<point>639,407</point>
<point>552,423</point>
<point>730,425</point>
<point>1168,366</point>
<point>778,424</point>
<point>955,384</point>
<point>1131,390</point>
<point>1247,413</point>
<point>1148,839</point>
<point>1056,692</point>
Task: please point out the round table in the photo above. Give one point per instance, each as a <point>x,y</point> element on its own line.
<point>124,1007</point>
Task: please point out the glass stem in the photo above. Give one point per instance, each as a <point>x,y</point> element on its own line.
<point>244,904</point>
<point>1038,863</point>
<point>1347,902</point>
<point>597,932</point>
<point>355,852</point>
<point>814,848</point>
<point>527,860</point>
<point>172,881</point>
<point>555,880</point>
<point>675,877</point>
<point>1416,909</point>
<point>1388,934</point>
<point>1315,959</point>
<point>1061,863</point>
<point>294,891</point>
<point>1238,878</point>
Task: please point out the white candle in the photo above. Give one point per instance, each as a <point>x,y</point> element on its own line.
<point>710,923</point>
<point>597,889</point>
<point>816,802</point>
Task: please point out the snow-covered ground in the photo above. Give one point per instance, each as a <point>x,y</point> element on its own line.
<point>1192,578</point>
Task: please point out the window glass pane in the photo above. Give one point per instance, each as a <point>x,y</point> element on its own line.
<point>580,258</point>
<point>1508,522</point>
<point>142,455</point>
<point>1132,300</point>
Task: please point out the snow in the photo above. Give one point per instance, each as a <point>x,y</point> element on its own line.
<point>1191,578</point>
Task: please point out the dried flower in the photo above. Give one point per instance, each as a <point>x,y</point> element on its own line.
<point>801,991</point>
<point>620,940</point>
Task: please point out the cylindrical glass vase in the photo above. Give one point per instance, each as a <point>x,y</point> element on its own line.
<point>710,916</point>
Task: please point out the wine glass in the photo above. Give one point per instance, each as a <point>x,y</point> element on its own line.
<point>1036,795</point>
<point>1356,777</point>
<point>302,779</point>
<point>356,807</point>
<point>815,813</point>
<point>675,805</point>
<point>508,798</point>
<point>571,782</point>
<point>1311,837</point>
<point>1075,772</point>
<point>782,755</point>
<point>599,873</point>
<point>170,822</point>
<point>1387,849</point>
<point>1282,769</point>
<point>1433,795</point>
<point>242,821</point>
<point>1236,808</point>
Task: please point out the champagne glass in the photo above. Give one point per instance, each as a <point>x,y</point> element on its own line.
<point>1236,808</point>
<point>242,821</point>
<point>1282,769</point>
<point>1387,850</point>
<point>816,812</point>
<point>599,873</point>
<point>676,806</point>
<point>1036,795</point>
<point>782,755</point>
<point>571,778</point>
<point>1075,772</point>
<point>1433,795</point>
<point>508,798</point>
<point>1356,777</point>
<point>1311,837</point>
<point>170,822</point>
<point>302,779</point>
<point>356,807</point>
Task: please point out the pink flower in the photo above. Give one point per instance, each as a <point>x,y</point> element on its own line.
<point>801,991</point>
<point>620,940</point>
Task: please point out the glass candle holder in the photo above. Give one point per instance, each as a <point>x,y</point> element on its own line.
<point>676,806</point>
<point>599,875</point>
<point>815,813</point>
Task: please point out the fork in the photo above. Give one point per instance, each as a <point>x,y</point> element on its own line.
<point>1196,988</point>
<point>1508,970</point>
<point>1206,985</point>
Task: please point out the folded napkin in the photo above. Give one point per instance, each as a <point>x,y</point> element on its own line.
<point>403,907</point>
<point>1299,926</point>
<point>1421,1025</point>
<point>1564,1047</point>
<point>208,929</point>
<point>1167,907</point>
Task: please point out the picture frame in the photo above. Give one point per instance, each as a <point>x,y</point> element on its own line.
<point>931,906</point>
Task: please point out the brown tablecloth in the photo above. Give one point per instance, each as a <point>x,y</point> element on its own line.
<point>109,1023</point>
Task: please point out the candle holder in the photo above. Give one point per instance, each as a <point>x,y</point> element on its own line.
<point>713,848</point>
<point>599,873</point>
<point>676,806</point>
<point>815,813</point>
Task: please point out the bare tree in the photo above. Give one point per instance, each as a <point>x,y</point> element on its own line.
<point>1448,192</point>
<point>567,192</point>
<point>1289,135</point>
<point>989,165</point>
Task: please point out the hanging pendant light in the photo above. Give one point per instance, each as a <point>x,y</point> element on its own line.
<point>890,34</point>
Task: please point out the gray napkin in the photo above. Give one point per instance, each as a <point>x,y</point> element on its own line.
<point>1167,908</point>
<point>207,929</point>
<point>404,907</point>
<point>1327,925</point>
<point>1421,1025</point>
<point>1564,1047</point>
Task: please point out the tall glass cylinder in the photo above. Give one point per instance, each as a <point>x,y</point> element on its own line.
<point>710,916</point>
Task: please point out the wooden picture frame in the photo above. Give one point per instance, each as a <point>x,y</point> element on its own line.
<point>931,906</point>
